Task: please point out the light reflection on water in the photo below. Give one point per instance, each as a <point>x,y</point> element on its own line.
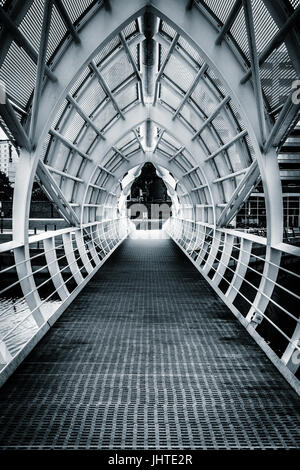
<point>13,312</point>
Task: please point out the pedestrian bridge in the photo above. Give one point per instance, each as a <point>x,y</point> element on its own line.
<point>187,340</point>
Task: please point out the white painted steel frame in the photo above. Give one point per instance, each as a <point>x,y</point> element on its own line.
<point>183,232</point>
<point>221,58</point>
<point>118,229</point>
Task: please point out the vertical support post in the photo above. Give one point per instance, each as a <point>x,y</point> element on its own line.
<point>99,240</point>
<point>53,268</point>
<point>241,269</point>
<point>225,259</point>
<point>28,286</point>
<point>91,246</point>
<point>198,239</point>
<point>266,285</point>
<point>82,251</point>
<point>69,251</point>
<point>205,247</point>
<point>213,252</point>
<point>21,207</point>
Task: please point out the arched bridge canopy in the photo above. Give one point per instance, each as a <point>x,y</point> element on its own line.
<point>98,88</point>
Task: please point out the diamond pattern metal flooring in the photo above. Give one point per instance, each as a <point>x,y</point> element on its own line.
<point>148,357</point>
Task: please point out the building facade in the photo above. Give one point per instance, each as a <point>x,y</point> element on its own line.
<point>8,159</point>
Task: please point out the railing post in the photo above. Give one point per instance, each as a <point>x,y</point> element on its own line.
<point>27,283</point>
<point>99,239</point>
<point>53,268</point>
<point>206,247</point>
<point>213,252</point>
<point>82,250</point>
<point>104,238</point>
<point>91,246</point>
<point>241,269</point>
<point>266,285</point>
<point>225,259</point>
<point>69,251</point>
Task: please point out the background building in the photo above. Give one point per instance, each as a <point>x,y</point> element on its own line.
<point>8,159</point>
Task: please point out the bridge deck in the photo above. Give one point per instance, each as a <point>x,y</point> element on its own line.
<point>148,357</point>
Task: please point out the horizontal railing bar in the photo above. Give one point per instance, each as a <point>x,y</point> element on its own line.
<point>248,282</point>
<point>36,271</point>
<point>51,233</point>
<point>250,237</point>
<point>262,275</point>
<point>254,270</point>
<point>257,309</point>
<point>47,298</point>
<point>248,301</point>
<point>28,259</point>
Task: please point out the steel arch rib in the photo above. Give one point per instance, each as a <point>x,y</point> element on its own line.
<point>192,26</point>
<point>220,58</point>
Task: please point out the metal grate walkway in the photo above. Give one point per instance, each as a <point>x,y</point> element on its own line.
<point>148,357</point>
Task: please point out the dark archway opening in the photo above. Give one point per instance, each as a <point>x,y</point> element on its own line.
<point>149,187</point>
<point>149,200</point>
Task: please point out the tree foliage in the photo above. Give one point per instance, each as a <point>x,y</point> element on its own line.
<point>6,189</point>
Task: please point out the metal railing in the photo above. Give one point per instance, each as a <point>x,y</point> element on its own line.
<point>44,276</point>
<point>258,282</point>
